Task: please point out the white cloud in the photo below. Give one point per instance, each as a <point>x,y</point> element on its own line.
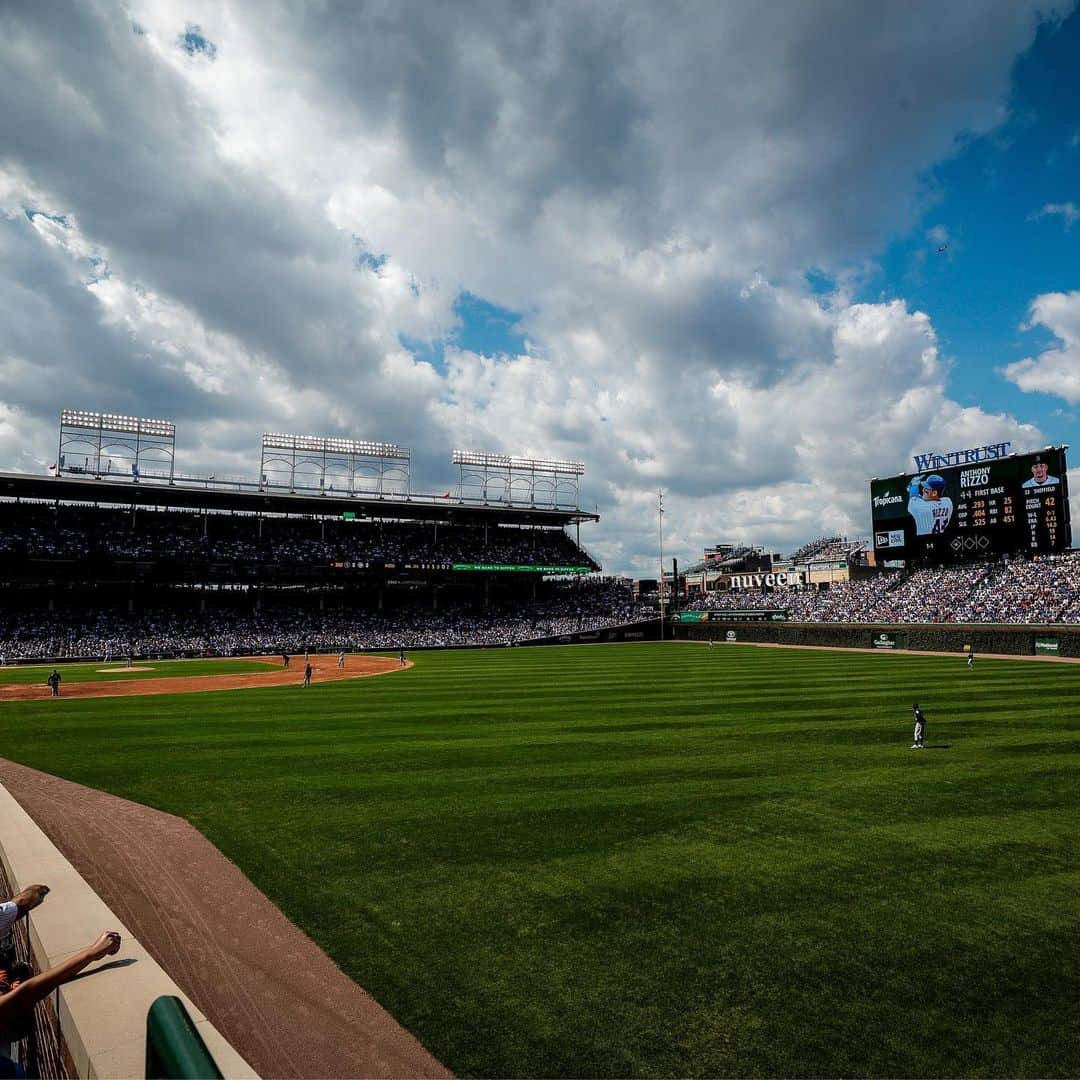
<point>647,191</point>
<point>1054,371</point>
<point>1067,211</point>
<point>739,460</point>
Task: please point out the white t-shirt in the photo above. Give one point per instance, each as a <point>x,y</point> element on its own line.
<point>930,517</point>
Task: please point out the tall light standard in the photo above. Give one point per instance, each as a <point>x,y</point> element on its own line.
<point>660,582</point>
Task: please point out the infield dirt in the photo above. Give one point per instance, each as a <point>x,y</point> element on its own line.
<point>324,669</point>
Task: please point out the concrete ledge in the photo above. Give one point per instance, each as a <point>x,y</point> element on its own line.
<point>102,1012</point>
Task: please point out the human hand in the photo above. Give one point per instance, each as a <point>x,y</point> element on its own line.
<point>106,945</point>
<point>27,899</point>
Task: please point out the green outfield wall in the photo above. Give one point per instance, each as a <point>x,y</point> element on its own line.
<point>929,637</point>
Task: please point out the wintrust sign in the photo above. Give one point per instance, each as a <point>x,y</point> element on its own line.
<point>930,460</point>
<point>757,581</point>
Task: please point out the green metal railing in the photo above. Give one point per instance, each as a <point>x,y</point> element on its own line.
<point>174,1048</point>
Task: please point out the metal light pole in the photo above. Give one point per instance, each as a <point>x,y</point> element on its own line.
<point>660,582</point>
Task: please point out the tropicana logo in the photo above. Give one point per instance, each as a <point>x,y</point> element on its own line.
<point>887,499</point>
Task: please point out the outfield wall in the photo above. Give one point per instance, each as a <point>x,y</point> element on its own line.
<point>102,1014</point>
<point>923,637</point>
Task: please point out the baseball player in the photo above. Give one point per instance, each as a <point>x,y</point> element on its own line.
<point>928,505</point>
<point>341,659</point>
<point>920,727</point>
<point>1040,475</point>
<point>307,675</point>
<point>971,660</point>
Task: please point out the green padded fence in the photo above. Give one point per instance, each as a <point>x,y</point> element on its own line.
<point>174,1048</point>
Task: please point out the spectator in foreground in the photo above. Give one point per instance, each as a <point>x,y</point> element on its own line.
<point>17,1005</point>
<point>11,910</point>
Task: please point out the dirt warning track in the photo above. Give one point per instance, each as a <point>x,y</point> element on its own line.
<point>324,669</point>
<point>266,986</point>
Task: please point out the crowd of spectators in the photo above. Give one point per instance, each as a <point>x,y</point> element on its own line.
<point>1045,589</point>
<point>45,531</point>
<point>812,548</point>
<point>569,609</point>
<point>838,550</point>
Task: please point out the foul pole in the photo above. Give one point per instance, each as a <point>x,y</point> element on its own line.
<point>660,582</point>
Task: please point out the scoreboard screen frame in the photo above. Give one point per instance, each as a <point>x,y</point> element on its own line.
<point>976,510</point>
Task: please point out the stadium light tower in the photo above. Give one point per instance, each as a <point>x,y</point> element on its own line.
<point>104,438</point>
<point>318,462</point>
<point>506,478</point>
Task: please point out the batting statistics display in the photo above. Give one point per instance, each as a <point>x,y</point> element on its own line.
<point>1016,503</point>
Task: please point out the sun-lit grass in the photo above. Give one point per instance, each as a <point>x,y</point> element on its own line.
<point>650,860</point>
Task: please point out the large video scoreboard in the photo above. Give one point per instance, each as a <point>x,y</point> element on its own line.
<point>1015,503</point>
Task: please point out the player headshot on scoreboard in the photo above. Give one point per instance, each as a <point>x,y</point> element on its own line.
<point>929,505</point>
<point>1040,474</point>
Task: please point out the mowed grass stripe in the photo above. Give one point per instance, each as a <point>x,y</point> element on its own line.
<point>650,860</point>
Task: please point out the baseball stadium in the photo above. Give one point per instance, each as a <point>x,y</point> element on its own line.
<point>338,779</point>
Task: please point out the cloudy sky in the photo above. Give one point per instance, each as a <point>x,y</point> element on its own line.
<point>693,245</point>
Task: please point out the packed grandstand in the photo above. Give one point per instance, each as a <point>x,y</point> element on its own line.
<point>47,532</point>
<point>88,577</point>
<point>1042,590</point>
<point>83,579</point>
<point>295,626</point>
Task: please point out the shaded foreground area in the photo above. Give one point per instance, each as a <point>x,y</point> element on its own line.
<point>267,986</point>
<point>651,860</point>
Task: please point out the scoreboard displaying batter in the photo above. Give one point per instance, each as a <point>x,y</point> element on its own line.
<point>1015,503</point>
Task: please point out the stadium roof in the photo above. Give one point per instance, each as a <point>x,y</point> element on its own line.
<point>225,495</point>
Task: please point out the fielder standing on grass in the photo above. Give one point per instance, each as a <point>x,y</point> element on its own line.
<point>971,660</point>
<point>920,727</point>
<point>307,675</point>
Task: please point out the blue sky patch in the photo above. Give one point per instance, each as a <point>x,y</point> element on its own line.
<point>368,261</point>
<point>486,328</point>
<point>483,328</point>
<point>1004,247</point>
<point>431,352</point>
<point>60,219</point>
<point>193,41</point>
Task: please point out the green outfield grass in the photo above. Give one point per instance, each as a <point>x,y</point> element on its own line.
<point>650,860</point>
<point>159,669</point>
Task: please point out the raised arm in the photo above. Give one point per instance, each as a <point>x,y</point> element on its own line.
<point>27,899</point>
<point>26,995</point>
